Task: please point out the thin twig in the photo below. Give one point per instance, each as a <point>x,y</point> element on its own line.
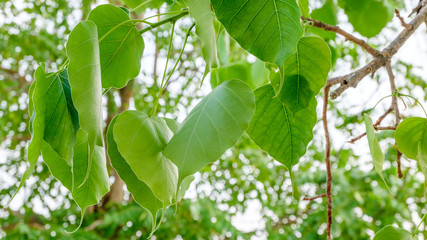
<point>314,198</point>
<point>352,79</point>
<point>401,19</point>
<point>327,161</point>
<point>346,35</point>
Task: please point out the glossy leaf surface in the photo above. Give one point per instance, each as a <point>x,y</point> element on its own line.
<point>120,48</point>
<point>393,233</point>
<point>278,131</point>
<point>410,134</point>
<point>269,29</point>
<point>212,127</point>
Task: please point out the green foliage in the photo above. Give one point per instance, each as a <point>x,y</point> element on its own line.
<point>278,131</point>
<point>368,17</point>
<point>393,233</point>
<point>120,45</point>
<point>374,147</point>
<point>304,73</point>
<point>270,30</point>
<point>410,134</point>
<point>327,14</point>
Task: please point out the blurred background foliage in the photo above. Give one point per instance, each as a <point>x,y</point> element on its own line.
<point>246,194</point>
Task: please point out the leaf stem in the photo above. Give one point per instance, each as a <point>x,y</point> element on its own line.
<point>422,220</point>
<point>416,100</point>
<point>167,20</point>
<point>153,112</point>
<point>120,24</point>
<point>139,6</point>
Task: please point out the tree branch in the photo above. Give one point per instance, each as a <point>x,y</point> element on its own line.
<point>167,20</point>
<point>315,197</point>
<point>346,35</point>
<point>352,79</point>
<point>328,161</point>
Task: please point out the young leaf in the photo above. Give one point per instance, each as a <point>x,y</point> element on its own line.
<point>140,191</point>
<point>368,17</point>
<point>393,233</point>
<point>140,140</point>
<point>212,127</point>
<point>200,10</point>
<point>374,147</point>
<point>278,131</point>
<point>305,73</point>
<point>411,133</point>
<point>85,81</point>
<point>269,29</point>
<point>120,48</point>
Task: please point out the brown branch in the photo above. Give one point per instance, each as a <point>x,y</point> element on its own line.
<point>327,161</point>
<point>401,19</point>
<point>395,106</point>
<point>315,197</point>
<point>346,35</point>
<point>352,79</point>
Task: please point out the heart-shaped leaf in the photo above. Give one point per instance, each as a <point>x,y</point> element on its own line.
<point>410,134</point>
<point>141,140</point>
<point>212,127</point>
<point>120,47</point>
<point>269,29</point>
<point>278,131</point>
<point>304,73</point>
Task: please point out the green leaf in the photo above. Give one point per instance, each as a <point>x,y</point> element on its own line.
<point>368,17</point>
<point>327,14</point>
<point>374,147</point>
<point>411,133</point>
<point>278,131</point>
<point>200,10</point>
<point>212,127</point>
<point>140,140</point>
<point>305,73</point>
<point>254,74</point>
<point>303,6</point>
<point>393,233</point>
<point>153,4</point>
<point>121,50</point>
<point>269,29</point>
<point>140,191</point>
<point>85,80</point>
<point>88,189</point>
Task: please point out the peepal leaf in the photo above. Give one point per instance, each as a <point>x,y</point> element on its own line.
<point>140,191</point>
<point>275,129</point>
<point>200,10</point>
<point>393,233</point>
<point>411,133</point>
<point>368,17</point>
<point>85,81</point>
<point>327,14</point>
<point>305,73</point>
<point>212,127</point>
<point>53,117</point>
<point>140,140</point>
<point>121,50</point>
<point>270,29</point>
<point>374,147</point>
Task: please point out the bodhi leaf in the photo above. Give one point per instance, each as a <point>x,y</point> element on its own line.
<point>140,140</point>
<point>410,134</point>
<point>140,191</point>
<point>305,73</point>
<point>85,81</point>
<point>87,192</point>
<point>53,118</point>
<point>368,17</point>
<point>374,147</point>
<point>278,131</point>
<point>327,14</point>
<point>120,46</point>
<point>270,30</point>
<point>393,233</point>
<point>212,127</point>
<point>303,6</point>
<point>200,10</point>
